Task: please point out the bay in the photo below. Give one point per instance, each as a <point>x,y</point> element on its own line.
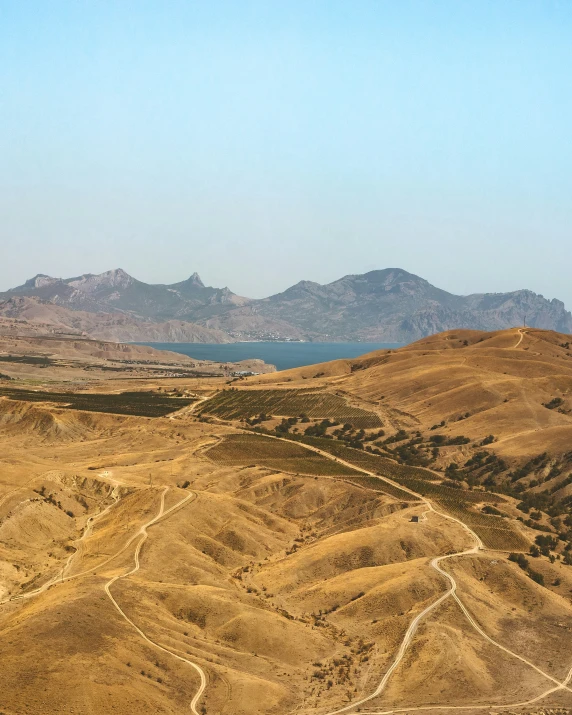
<point>283,355</point>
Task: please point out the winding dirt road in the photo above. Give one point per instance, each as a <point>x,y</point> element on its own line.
<point>452,591</point>
<point>478,547</point>
<point>60,577</point>
<point>143,537</point>
<point>522,333</point>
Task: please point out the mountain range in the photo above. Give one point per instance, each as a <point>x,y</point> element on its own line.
<point>389,305</point>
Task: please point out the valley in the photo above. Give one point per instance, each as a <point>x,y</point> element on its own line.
<point>391,533</point>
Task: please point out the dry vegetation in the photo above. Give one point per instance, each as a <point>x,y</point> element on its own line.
<point>288,567</point>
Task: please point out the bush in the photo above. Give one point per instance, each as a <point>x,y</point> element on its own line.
<point>554,403</point>
<point>537,577</point>
<point>458,440</point>
<point>546,543</point>
<point>488,509</point>
<point>519,559</point>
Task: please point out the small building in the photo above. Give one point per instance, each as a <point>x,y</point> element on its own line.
<point>415,519</point>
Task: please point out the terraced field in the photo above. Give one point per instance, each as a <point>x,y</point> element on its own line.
<point>496,532</point>
<point>378,485</point>
<point>247,449</point>
<point>142,404</point>
<point>367,460</point>
<point>237,404</point>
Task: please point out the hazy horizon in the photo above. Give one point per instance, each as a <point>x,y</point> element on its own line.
<point>250,296</point>
<point>260,145</point>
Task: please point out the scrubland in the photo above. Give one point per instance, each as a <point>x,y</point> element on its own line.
<point>252,553</point>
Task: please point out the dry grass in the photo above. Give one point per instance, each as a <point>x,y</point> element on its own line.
<point>495,532</point>
<point>502,386</point>
<point>276,584</point>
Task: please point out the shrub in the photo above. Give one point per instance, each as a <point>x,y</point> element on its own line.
<point>488,509</point>
<point>537,577</point>
<point>554,403</point>
<point>519,559</point>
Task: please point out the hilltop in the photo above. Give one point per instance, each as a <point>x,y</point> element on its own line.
<point>484,408</point>
<point>477,382</point>
<point>389,305</point>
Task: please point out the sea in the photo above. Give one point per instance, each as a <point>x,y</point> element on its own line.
<point>284,355</point>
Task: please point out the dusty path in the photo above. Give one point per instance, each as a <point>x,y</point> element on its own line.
<point>521,332</point>
<point>523,703</point>
<point>435,563</point>
<point>60,576</point>
<point>143,534</point>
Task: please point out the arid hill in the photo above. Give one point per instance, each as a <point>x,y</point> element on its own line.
<point>20,315</point>
<point>287,543</point>
<point>484,409</point>
<point>514,384</point>
<point>67,358</point>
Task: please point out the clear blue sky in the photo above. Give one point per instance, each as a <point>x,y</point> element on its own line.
<point>260,143</point>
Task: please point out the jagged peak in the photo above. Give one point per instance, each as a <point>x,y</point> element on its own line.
<point>39,275</point>
<point>195,279</point>
<point>116,277</point>
<point>116,274</point>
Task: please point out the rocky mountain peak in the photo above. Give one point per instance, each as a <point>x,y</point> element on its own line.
<point>381,305</point>
<point>195,279</point>
<point>116,278</point>
<point>38,281</point>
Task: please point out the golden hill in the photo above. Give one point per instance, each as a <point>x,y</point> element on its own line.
<point>171,562</point>
<point>501,379</point>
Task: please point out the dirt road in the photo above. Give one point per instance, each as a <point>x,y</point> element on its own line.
<point>477,547</point>
<point>143,537</point>
<point>522,333</point>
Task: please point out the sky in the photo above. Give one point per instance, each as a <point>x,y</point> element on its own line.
<point>262,143</point>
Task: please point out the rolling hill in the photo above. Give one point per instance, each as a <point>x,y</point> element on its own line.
<point>295,542</point>
<point>22,315</point>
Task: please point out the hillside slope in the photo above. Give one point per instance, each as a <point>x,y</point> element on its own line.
<point>477,383</point>
<point>173,560</point>
<point>20,315</point>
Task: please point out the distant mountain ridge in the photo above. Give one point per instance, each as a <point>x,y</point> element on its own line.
<point>117,291</point>
<point>389,305</point>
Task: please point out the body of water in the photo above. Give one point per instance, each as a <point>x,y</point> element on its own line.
<point>283,355</point>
